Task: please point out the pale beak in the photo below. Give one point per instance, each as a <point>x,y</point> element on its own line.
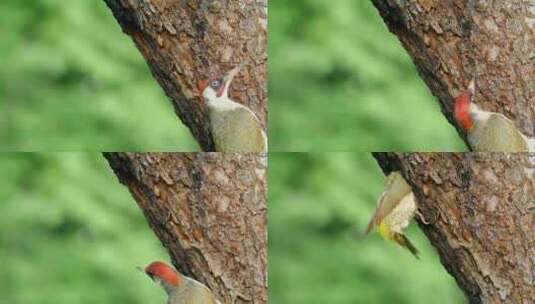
<point>230,75</point>
<point>141,269</point>
<point>472,86</point>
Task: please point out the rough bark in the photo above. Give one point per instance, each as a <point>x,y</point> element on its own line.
<point>481,209</point>
<point>185,41</point>
<point>454,41</point>
<point>209,210</point>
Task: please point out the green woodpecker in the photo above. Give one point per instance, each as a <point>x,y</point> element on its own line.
<point>235,128</point>
<point>179,288</point>
<point>395,208</point>
<point>488,131</point>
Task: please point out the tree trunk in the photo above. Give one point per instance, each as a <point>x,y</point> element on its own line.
<point>481,209</point>
<point>187,41</point>
<point>453,41</point>
<point>209,211</point>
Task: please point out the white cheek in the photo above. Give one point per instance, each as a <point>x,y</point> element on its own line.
<point>474,108</point>
<point>209,94</point>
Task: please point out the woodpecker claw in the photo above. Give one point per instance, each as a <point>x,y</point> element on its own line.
<point>422,218</point>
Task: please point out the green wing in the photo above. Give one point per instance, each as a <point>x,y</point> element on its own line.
<point>238,131</point>
<point>396,189</point>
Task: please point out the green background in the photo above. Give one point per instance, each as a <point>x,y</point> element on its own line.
<point>339,81</point>
<point>71,233</point>
<point>319,204</point>
<point>71,80</point>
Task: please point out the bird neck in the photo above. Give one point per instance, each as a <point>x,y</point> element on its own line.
<point>477,115</point>
<point>222,103</point>
<point>170,288</point>
<point>470,115</point>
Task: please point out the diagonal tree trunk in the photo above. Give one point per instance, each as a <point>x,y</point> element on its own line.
<point>481,209</point>
<point>453,41</point>
<point>187,41</point>
<point>209,210</point>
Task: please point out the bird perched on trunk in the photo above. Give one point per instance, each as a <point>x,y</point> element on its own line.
<point>395,208</point>
<point>234,127</point>
<point>180,289</point>
<point>488,131</point>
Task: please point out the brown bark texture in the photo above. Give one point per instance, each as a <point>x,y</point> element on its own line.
<point>454,41</point>
<point>209,210</point>
<point>185,41</point>
<point>481,213</point>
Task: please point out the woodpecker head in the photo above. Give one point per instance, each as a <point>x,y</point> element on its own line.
<point>216,88</point>
<point>164,275</point>
<point>463,107</point>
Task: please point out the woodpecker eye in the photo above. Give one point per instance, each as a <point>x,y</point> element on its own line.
<point>215,83</point>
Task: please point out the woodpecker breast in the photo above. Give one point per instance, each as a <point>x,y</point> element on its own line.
<point>401,215</point>
<point>396,189</point>
<point>236,129</point>
<point>192,292</point>
<point>496,133</point>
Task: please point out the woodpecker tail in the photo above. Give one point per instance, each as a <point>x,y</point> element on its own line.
<point>371,223</point>
<point>404,242</point>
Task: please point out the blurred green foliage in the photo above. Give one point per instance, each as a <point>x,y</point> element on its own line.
<point>339,81</point>
<point>71,233</point>
<point>319,204</point>
<point>71,80</point>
